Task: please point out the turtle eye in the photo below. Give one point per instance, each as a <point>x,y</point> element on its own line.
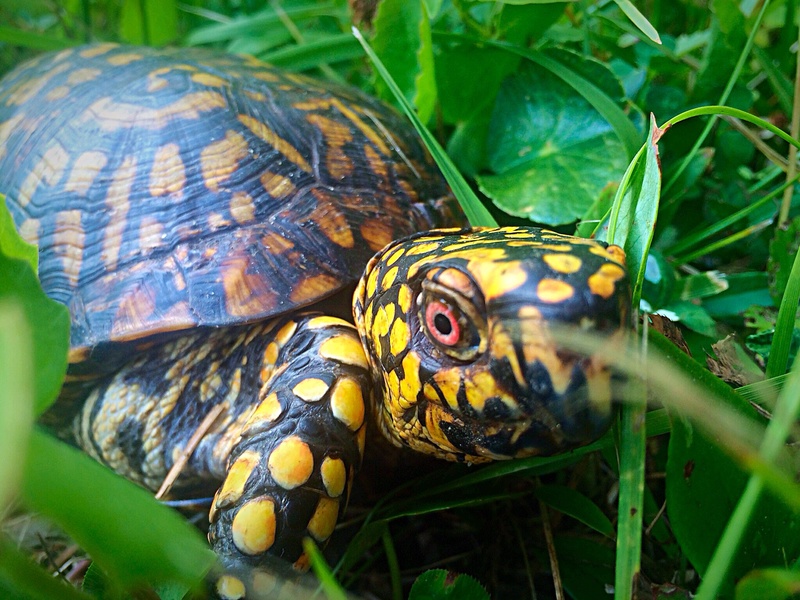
<point>442,323</point>
<point>451,322</point>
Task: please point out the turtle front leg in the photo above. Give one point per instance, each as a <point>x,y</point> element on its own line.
<point>292,460</point>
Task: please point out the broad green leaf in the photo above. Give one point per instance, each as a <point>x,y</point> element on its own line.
<point>586,565</point>
<point>633,216</point>
<point>402,40</point>
<point>439,584</point>
<point>47,320</point>
<point>132,537</point>
<point>468,78</point>
<point>782,249</point>
<point>11,244</point>
<point>744,290</point>
<point>265,24</point>
<point>551,151</point>
<point>31,39</point>
<point>151,22</point>
<point>703,485</point>
<point>571,502</point>
<point>16,394</point>
<point>327,50</point>
<point>761,343</point>
<point>775,584</point>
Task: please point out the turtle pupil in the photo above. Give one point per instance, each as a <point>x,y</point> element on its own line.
<point>442,324</point>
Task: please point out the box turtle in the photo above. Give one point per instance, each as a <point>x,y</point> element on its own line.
<point>199,213</point>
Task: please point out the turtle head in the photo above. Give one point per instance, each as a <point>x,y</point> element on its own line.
<point>461,331</point>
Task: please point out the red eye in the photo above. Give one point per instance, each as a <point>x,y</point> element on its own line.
<point>442,323</point>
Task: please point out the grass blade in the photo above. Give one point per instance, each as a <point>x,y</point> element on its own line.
<point>476,212</point>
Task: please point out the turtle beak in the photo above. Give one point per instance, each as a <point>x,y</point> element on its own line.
<point>562,397</point>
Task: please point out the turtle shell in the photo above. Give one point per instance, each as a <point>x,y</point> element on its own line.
<point>169,189</point>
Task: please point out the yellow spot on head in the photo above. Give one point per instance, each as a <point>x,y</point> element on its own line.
<point>400,337</point>
<point>388,278</point>
<point>404,298</point>
<point>323,521</point>
<point>344,348</point>
<point>237,477</point>
<point>347,403</point>
<point>562,263</point>
<point>324,321</point>
<point>603,282</point>
<point>291,463</point>
<point>449,382</point>
<point>311,389</point>
<point>410,385</point>
<point>253,527</point>
<point>334,476</point>
<point>552,291</point>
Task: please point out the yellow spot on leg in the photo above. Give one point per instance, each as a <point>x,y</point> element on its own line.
<point>334,476</point>
<point>347,403</point>
<point>323,521</point>
<point>345,349</point>
<point>253,527</point>
<point>230,588</point>
<point>236,479</point>
<point>291,463</point>
<point>311,389</point>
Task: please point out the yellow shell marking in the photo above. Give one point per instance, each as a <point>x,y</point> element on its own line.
<point>262,131</point>
<point>291,463</point>
<point>345,349</point>
<point>84,171</point>
<point>230,588</point>
<point>168,174</point>
<point>111,116</point>
<point>48,171</point>
<point>313,287</point>
<point>236,479</point>
<point>376,234</point>
<point>208,79</point>
<point>553,291</point>
<point>285,333</point>
<point>368,131</point>
<point>277,186</point>
<point>334,476</point>
<point>219,159</point>
<point>242,208</point>
<point>119,60</point>
<point>323,521</point>
<point>82,75</point>
<point>57,93</point>
<point>347,403</point>
<point>68,241</point>
<point>118,204</point>
<point>562,263</point>
<point>254,525</point>
<point>603,282</point>
<point>311,389</point>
